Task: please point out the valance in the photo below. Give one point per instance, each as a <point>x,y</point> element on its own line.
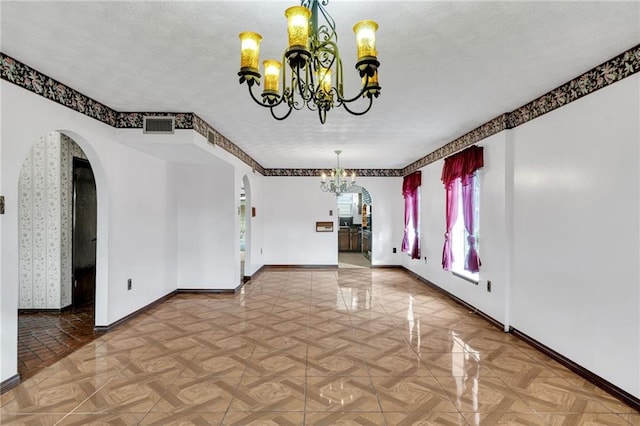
<point>411,182</point>
<point>462,164</point>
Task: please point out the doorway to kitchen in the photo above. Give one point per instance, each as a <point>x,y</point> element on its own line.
<point>354,229</point>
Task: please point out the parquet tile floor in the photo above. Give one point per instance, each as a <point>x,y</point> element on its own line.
<point>310,347</point>
<point>46,337</point>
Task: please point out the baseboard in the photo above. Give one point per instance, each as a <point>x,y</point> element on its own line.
<point>456,299</point>
<point>10,383</point>
<point>593,378</point>
<point>40,310</point>
<point>101,329</point>
<point>210,290</point>
<point>603,384</point>
<point>272,267</point>
<point>388,267</point>
<point>248,278</point>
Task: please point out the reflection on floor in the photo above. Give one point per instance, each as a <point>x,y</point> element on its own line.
<point>46,337</point>
<point>348,259</point>
<point>311,347</point>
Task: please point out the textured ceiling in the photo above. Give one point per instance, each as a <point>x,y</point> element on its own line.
<point>446,67</point>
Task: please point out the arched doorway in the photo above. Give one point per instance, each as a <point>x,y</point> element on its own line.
<point>57,221</point>
<point>354,228</point>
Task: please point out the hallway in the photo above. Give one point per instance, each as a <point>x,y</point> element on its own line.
<point>312,347</point>
<point>46,337</point>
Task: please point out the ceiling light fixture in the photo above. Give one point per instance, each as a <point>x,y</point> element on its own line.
<point>338,182</point>
<point>313,60</point>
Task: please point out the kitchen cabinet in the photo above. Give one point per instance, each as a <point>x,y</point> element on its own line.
<point>343,240</point>
<point>366,243</point>
<point>349,239</point>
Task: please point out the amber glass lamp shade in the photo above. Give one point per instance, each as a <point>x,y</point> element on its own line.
<point>249,50</point>
<point>298,26</point>
<point>366,38</point>
<point>324,80</point>
<point>271,75</point>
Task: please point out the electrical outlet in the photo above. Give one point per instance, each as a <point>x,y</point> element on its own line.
<point>394,249</point>
<point>129,284</point>
<point>489,286</point>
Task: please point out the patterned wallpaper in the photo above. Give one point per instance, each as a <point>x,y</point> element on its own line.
<point>609,72</point>
<point>45,223</point>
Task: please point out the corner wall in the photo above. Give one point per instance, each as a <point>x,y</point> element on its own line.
<point>295,204</point>
<point>559,232</point>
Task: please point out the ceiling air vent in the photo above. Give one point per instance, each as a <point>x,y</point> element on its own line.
<point>158,125</point>
<point>211,137</point>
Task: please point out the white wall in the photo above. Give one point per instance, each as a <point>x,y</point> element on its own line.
<point>206,210</point>
<point>140,224</point>
<point>134,225</point>
<point>576,281</point>
<point>292,207</point>
<point>559,232</point>
<point>387,219</point>
<point>492,236</point>
<point>295,204</point>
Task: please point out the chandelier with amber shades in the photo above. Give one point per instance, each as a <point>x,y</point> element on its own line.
<point>314,61</point>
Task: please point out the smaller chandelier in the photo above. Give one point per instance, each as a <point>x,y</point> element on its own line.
<point>338,182</point>
<point>314,77</point>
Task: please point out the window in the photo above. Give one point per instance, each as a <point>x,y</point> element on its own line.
<point>460,238</point>
<point>460,252</point>
<point>411,193</point>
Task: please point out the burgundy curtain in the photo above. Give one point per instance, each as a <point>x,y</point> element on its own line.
<point>459,169</point>
<point>462,164</point>
<point>452,214</point>
<point>411,240</point>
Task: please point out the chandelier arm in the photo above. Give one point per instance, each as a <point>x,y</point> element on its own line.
<point>311,68</point>
<point>328,18</point>
<point>273,114</point>
<point>259,102</point>
<point>343,101</point>
<point>322,113</point>
<point>302,85</point>
<point>358,113</point>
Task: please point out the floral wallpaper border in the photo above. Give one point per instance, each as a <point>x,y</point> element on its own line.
<point>603,75</point>
<point>202,127</point>
<point>624,65</point>
<point>318,172</point>
<point>28,78</point>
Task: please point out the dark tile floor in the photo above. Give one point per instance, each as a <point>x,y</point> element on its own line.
<point>45,337</point>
